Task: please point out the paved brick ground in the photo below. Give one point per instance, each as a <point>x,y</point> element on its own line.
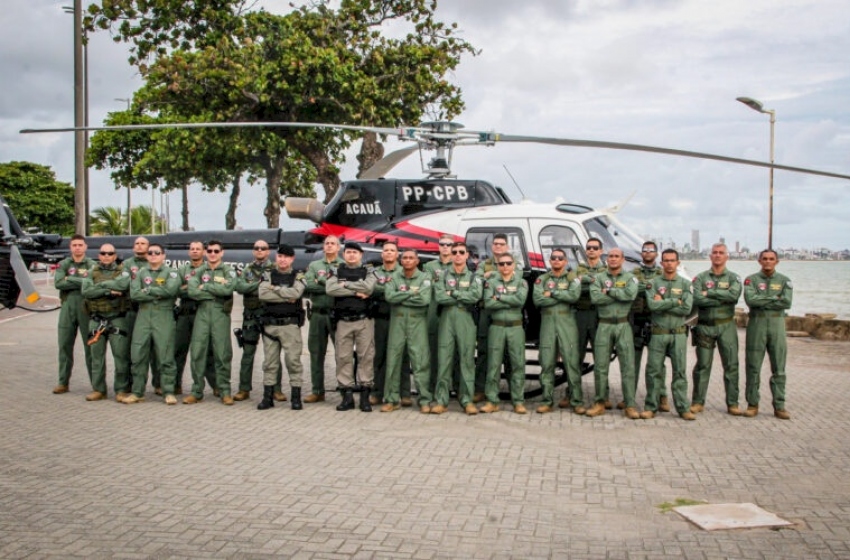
<point>104,480</point>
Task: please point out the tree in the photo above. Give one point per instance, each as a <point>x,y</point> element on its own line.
<point>36,198</point>
<point>314,64</point>
<point>112,220</point>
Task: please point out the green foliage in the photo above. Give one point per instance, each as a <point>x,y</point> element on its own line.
<point>112,220</point>
<point>36,198</point>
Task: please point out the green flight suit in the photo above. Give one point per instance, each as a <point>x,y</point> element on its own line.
<point>109,311</point>
<point>586,313</point>
<point>282,330</point>
<point>612,295</point>
<point>669,338</point>
<point>186,312</point>
<point>409,299</point>
<point>213,290</point>
<point>133,265</point>
<point>505,300</point>
<point>716,327</point>
<point>247,284</point>
<point>554,296</point>
<point>641,319</point>
<point>73,318</point>
<point>381,311</point>
<point>482,364</point>
<point>435,269</point>
<point>457,295</point>
<point>154,291</point>
<point>320,328</point>
<point>768,297</point>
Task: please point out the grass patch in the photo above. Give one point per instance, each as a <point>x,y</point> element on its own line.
<point>667,507</point>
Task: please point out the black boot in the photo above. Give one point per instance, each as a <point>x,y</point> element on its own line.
<point>268,398</point>
<point>364,399</point>
<point>296,398</point>
<point>347,401</point>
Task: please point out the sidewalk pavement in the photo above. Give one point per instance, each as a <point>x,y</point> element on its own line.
<point>104,480</point>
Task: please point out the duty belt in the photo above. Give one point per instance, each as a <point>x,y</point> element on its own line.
<point>410,312</point>
<point>612,320</point>
<point>714,322</point>
<point>506,323</point>
<point>352,318</point>
<point>678,330</point>
<point>555,311</point>
<point>162,304</point>
<point>280,321</point>
<point>760,313</point>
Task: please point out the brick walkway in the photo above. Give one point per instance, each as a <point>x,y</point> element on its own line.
<point>104,480</point>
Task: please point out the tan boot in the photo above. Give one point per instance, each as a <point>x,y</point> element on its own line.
<point>478,397</point>
<point>191,399</point>
<point>132,399</point>
<point>752,411</point>
<point>121,396</point>
<point>782,414</point>
<point>580,410</point>
<point>438,409</point>
<point>158,391</point>
<point>389,407</point>
<point>621,405</point>
<point>520,409</point>
<point>734,410</point>
<point>425,409</point>
<point>489,408</point>
<point>598,409</point>
<point>688,415</point>
<point>241,395</point>
<point>631,413</point>
<point>663,405</point>
<point>647,415</point>
<point>564,403</point>
<point>279,396</point>
<point>470,409</point>
<point>227,400</point>
<point>59,389</point>
<point>95,396</point>
<point>406,402</point>
<point>696,408</point>
<point>170,399</point>
<point>314,398</point>
<point>608,405</point>
<point>374,400</point>
<point>544,409</point>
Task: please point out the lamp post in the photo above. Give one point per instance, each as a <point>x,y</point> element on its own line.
<point>81,185</point>
<point>757,106</point>
<point>129,196</point>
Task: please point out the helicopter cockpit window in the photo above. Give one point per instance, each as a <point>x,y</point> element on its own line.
<point>482,242</point>
<point>562,237</point>
<point>613,234</point>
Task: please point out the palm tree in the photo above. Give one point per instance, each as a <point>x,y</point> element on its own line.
<point>112,220</point>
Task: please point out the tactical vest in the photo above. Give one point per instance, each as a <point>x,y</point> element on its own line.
<point>107,306</point>
<point>351,305</point>
<point>283,309</point>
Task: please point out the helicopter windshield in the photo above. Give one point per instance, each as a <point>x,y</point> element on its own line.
<point>614,234</point>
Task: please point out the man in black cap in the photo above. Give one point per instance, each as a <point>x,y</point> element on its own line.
<point>281,290</point>
<point>351,287</point>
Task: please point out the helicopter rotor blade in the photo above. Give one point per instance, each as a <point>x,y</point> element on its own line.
<point>22,276</point>
<point>657,150</point>
<point>386,164</point>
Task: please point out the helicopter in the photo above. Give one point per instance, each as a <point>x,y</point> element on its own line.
<point>414,213</point>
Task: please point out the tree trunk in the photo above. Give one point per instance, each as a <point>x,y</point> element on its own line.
<point>326,174</point>
<point>370,152</point>
<point>184,193</point>
<point>274,177</point>
<point>230,216</point>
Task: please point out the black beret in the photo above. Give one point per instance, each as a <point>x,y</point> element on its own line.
<point>353,245</point>
<point>285,249</point>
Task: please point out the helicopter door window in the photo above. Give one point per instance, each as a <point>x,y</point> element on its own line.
<point>561,237</point>
<point>480,243</point>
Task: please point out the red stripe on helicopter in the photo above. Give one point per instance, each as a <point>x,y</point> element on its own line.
<point>374,238</point>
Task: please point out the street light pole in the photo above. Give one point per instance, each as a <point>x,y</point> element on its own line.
<point>129,195</point>
<point>81,195</point>
<point>757,106</point>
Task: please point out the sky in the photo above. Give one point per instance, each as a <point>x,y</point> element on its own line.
<point>658,72</point>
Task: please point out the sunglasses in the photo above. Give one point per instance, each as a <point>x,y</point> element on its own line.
<point>506,263</point>
<point>258,248</point>
<point>592,248</point>
<point>107,253</point>
<point>649,251</point>
<point>458,252</point>
<point>445,244</point>
<point>557,258</point>
<point>214,251</point>
<point>154,252</point>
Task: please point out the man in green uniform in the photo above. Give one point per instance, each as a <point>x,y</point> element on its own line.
<point>213,288</point>
<point>107,302</point>
<point>321,303</point>
<point>248,284</point>
<point>281,291</point>
<point>350,286</point>
<point>612,293</point>
<point>133,265</point>
<point>554,293</point>
<point>669,298</point>
<point>154,289</point>
<point>457,292</point>
<point>409,294</point>
<point>186,319</point>
<point>716,291</point>
<point>768,295</point>
<point>504,297</point>
<point>586,312</point>
<point>435,269</point>
<point>381,311</point>
<point>486,270</point>
<point>72,316</point>
<point>641,317</point>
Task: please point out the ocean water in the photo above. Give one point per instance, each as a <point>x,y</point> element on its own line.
<point>819,286</point>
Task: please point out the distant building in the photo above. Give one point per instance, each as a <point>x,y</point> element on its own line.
<point>695,240</point>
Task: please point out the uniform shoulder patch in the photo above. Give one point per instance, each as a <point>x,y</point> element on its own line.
<point>233,274</point>
<point>539,280</point>
<point>172,274</point>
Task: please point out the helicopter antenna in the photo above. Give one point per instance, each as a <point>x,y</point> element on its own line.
<point>515,182</point>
